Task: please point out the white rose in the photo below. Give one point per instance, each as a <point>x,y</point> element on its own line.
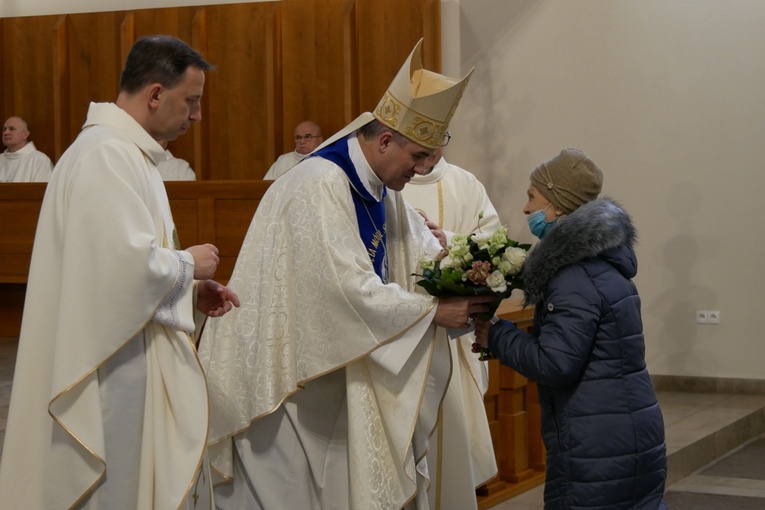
<point>496,281</point>
<point>448,261</point>
<point>481,239</point>
<point>505,267</point>
<point>516,257</point>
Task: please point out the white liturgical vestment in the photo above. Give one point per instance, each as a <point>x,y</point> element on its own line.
<point>282,164</point>
<point>325,383</point>
<point>175,169</point>
<point>109,406</point>
<point>25,165</point>
<point>461,456</point>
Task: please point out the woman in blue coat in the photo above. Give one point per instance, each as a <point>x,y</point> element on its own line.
<point>601,423</point>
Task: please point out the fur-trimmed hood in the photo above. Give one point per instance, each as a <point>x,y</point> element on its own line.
<point>600,228</point>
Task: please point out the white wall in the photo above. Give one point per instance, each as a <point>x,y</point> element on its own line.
<point>666,96</point>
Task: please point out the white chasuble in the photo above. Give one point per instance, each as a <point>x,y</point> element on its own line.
<point>109,406</point>
<point>301,415</point>
<point>461,455</point>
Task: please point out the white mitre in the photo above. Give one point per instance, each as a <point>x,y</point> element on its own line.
<point>418,104</point>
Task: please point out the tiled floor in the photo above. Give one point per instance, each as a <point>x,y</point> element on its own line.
<point>715,443</point>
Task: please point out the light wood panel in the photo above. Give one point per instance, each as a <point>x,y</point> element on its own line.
<point>318,66</point>
<point>27,75</point>
<point>277,63</point>
<point>387,32</point>
<point>241,93</point>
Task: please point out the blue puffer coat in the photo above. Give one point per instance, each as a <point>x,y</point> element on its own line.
<point>601,423</point>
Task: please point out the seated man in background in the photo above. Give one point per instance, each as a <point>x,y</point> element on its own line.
<point>307,138</point>
<point>453,201</point>
<point>174,169</point>
<point>21,161</point>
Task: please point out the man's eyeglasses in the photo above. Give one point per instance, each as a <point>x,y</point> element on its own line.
<point>307,138</point>
<point>445,140</point>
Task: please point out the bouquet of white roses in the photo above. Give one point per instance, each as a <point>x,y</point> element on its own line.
<point>476,264</point>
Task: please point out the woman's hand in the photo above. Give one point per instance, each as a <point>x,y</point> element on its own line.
<point>481,335</point>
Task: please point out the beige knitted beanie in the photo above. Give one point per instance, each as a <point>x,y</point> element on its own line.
<point>568,180</point>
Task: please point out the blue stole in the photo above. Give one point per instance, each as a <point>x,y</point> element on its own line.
<point>370,213</point>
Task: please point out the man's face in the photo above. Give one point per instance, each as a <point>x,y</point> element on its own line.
<point>400,161</point>
<point>179,106</point>
<point>307,138</point>
<point>15,134</point>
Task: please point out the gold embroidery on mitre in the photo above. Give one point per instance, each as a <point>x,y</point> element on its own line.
<point>419,104</point>
<point>388,109</point>
<point>423,130</point>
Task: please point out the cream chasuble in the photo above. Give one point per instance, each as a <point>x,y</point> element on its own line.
<point>109,406</point>
<point>25,165</point>
<point>325,384</point>
<point>461,456</point>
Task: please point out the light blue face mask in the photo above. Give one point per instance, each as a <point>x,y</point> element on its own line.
<point>537,224</point>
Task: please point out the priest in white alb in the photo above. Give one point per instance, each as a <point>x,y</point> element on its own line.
<point>109,406</point>
<point>461,455</point>
<point>325,385</point>
<point>21,161</point>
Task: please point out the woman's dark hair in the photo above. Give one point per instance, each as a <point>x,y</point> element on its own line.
<point>159,59</point>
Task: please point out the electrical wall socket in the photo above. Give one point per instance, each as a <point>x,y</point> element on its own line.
<point>707,316</point>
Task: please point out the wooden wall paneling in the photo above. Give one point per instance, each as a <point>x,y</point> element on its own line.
<point>28,75</point>
<point>199,41</point>
<point>19,209</point>
<point>3,115</point>
<point>352,104</point>
<point>127,35</point>
<point>60,89</point>
<point>218,212</point>
<point>385,39</point>
<point>318,68</point>
<point>12,297</point>
<point>242,91</point>
<point>89,72</point>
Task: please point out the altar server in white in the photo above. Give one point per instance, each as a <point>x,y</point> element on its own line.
<point>325,385</point>
<point>21,161</point>
<point>461,455</point>
<point>109,405</point>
